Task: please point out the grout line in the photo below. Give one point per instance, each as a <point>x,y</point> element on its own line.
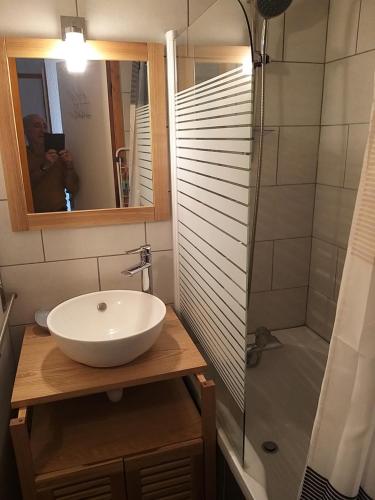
<point>304,287</point>
<point>317,158</point>
<point>346,156</point>
<point>298,62</point>
<point>145,233</point>
<point>285,239</point>
<point>272,263</point>
<point>97,265</point>
<point>283,49</point>
<point>277,158</point>
<point>44,252</point>
<point>3,266</point>
<point>358,24</point>
<point>351,55</point>
<point>336,187</point>
<point>317,125</point>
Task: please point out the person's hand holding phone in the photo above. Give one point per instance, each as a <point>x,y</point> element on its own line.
<point>51,156</point>
<point>66,157</point>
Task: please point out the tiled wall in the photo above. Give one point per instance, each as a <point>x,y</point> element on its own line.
<point>45,267</point>
<point>347,98</point>
<point>49,266</point>
<point>294,87</point>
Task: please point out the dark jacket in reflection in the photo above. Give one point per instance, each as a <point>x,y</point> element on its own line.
<point>48,185</point>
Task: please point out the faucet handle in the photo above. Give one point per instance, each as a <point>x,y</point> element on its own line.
<point>141,249</point>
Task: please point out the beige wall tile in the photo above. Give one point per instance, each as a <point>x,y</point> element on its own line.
<point>332,155</point>
<point>348,90</point>
<point>342,28</point>
<point>291,263</point>
<point>323,267</point>
<point>357,140</point>
<point>114,20</point>
<point>110,273</point>
<point>62,244</point>
<point>333,214</point>
<point>3,193</point>
<point>293,94</point>
<point>275,38</point>
<point>162,268</point>
<point>197,8</point>
<point>43,286</point>
<point>285,212</point>
<point>269,159</point>
<point>278,309</point>
<point>163,276</point>
<point>305,31</point>
<point>159,235</point>
<point>366,34</point>
<point>262,269</point>
<point>320,314</point>
<point>18,247</point>
<point>298,152</point>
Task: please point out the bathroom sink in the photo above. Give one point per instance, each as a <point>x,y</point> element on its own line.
<point>108,328</point>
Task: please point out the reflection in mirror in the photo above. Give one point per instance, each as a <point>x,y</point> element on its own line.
<point>88,137</point>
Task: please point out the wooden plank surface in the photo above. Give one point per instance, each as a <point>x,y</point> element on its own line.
<point>52,48</point>
<point>9,149</point>
<point>90,430</point>
<point>45,374</point>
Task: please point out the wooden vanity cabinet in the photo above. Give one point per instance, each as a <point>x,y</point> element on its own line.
<point>100,482</point>
<point>149,446</point>
<point>72,443</point>
<point>176,473</point>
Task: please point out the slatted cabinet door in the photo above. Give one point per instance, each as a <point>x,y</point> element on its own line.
<point>99,482</point>
<point>173,474</point>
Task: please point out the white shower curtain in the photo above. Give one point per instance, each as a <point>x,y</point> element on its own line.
<point>341,461</point>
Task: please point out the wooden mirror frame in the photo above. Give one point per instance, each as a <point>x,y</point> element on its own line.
<point>13,148</point>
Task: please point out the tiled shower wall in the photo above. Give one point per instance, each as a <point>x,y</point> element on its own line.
<point>294,87</point>
<point>347,98</point>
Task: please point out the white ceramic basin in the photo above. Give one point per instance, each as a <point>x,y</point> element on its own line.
<point>128,327</point>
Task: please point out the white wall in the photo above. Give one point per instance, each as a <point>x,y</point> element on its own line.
<point>110,19</point>
<point>53,96</point>
<point>85,118</point>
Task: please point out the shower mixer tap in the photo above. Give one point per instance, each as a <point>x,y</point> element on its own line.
<point>264,341</point>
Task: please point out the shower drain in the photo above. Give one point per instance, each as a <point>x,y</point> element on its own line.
<point>270,447</point>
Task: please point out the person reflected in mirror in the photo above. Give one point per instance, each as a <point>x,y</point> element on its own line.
<point>51,172</point>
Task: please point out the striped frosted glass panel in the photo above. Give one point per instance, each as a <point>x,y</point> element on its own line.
<point>143,154</point>
<point>214,144</point>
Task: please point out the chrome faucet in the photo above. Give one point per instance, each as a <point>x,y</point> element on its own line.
<point>144,267</point>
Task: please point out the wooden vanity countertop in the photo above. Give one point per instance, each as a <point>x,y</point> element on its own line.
<point>45,374</point>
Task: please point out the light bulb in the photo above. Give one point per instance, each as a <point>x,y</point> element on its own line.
<point>75,52</point>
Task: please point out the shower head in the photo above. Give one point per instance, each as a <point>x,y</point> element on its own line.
<point>272,8</point>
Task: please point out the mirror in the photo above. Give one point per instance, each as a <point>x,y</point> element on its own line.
<point>87,135</point>
<point>118,104</point>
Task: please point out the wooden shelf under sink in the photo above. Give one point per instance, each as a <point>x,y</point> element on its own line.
<point>71,443</point>
<point>88,430</point>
